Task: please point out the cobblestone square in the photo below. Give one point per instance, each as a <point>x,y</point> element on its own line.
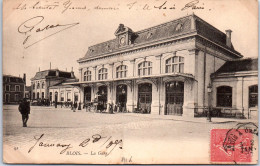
<point>165,138</point>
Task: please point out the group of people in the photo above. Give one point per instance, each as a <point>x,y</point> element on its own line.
<point>24,108</point>
<point>70,104</point>
<point>103,106</point>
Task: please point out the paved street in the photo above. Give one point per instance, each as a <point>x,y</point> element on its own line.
<point>144,137</point>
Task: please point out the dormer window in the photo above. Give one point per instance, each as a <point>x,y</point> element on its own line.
<point>179,27</point>
<point>91,50</point>
<point>149,35</point>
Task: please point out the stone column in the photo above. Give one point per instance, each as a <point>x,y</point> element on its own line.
<point>155,107</point>
<point>132,100</point>
<point>156,90</point>
<point>191,85</point>
<point>95,73</point>
<point>237,96</point>
<point>81,77</point>
<point>132,72</point>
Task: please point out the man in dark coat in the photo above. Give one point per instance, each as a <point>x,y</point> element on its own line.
<point>24,108</point>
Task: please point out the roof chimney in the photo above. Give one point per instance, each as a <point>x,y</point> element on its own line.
<point>24,78</point>
<point>228,38</point>
<point>57,73</point>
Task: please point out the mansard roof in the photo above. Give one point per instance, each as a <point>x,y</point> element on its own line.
<point>52,73</point>
<point>169,30</point>
<point>12,79</point>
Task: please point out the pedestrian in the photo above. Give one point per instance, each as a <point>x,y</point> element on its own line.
<point>61,104</point>
<point>79,108</point>
<point>75,106</point>
<point>55,104</point>
<point>115,109</point>
<point>24,108</point>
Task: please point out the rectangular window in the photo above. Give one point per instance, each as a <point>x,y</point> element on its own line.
<point>7,87</point>
<point>253,96</point>
<point>17,88</point>
<point>16,97</point>
<point>69,96</point>
<point>62,97</point>
<point>174,68</point>
<point>168,68</point>
<point>149,71</point>
<point>139,72</point>
<point>224,96</point>
<point>42,95</point>
<point>181,68</point>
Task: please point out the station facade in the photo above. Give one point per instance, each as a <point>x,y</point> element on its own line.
<point>166,69</point>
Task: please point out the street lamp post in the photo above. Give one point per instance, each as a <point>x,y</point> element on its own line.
<point>209,88</point>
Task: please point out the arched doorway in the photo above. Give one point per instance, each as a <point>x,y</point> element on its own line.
<point>102,97</point>
<point>121,97</point>
<point>50,96</point>
<point>144,97</point>
<point>56,97</point>
<point>174,98</point>
<point>87,94</point>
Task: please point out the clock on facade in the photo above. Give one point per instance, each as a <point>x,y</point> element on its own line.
<point>122,40</point>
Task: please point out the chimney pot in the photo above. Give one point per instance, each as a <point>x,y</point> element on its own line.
<point>228,38</point>
<point>24,78</point>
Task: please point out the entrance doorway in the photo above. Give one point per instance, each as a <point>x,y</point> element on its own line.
<point>145,97</point>
<point>102,98</point>
<point>56,97</point>
<point>174,98</point>
<point>87,94</point>
<point>121,97</point>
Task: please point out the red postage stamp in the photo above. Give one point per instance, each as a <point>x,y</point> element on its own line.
<point>231,146</point>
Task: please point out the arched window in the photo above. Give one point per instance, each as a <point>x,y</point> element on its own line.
<point>224,96</point>
<point>87,75</point>
<point>38,95</point>
<point>33,85</point>
<point>38,85</point>
<point>121,71</point>
<point>174,64</point>
<point>102,74</point>
<point>145,68</point>
<point>253,96</point>
<point>43,85</point>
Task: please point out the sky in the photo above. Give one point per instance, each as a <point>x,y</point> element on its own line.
<point>95,21</point>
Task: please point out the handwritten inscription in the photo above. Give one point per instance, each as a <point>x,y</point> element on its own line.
<point>193,5</point>
<point>67,5</point>
<point>33,26</point>
<point>107,145</point>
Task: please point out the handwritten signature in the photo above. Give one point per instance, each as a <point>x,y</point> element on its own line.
<point>192,5</point>
<point>109,144</point>
<point>32,26</point>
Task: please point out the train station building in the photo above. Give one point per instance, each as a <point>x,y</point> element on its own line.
<point>176,68</point>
